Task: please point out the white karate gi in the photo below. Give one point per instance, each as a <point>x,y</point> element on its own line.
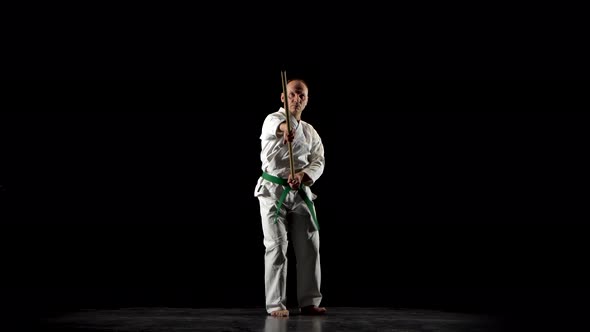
<point>294,215</point>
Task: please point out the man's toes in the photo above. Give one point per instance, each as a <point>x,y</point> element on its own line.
<point>280,313</point>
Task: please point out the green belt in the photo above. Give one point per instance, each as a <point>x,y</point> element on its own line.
<point>301,190</point>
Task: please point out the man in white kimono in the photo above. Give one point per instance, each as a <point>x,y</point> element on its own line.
<point>286,204</point>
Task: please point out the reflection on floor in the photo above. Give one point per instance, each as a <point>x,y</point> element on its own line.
<point>255,319</point>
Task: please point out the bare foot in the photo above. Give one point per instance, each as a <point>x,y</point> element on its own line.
<point>313,310</point>
<point>280,313</point>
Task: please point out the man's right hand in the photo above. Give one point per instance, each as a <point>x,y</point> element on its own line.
<point>287,137</point>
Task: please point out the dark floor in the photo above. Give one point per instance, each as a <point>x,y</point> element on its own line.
<point>252,319</point>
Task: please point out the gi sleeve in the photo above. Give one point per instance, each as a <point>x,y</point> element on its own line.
<point>316,160</point>
<point>270,127</point>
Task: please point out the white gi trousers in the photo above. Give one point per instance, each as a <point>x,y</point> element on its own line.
<point>296,219</point>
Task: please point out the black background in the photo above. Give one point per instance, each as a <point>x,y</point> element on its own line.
<point>455,160</point>
<point>436,194</point>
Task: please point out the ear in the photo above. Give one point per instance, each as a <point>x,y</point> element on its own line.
<point>282,97</point>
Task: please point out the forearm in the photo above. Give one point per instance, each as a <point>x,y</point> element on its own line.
<point>312,172</point>
<point>317,162</point>
<point>283,127</point>
<point>306,179</point>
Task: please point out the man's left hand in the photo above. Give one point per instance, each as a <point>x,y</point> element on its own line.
<point>295,182</point>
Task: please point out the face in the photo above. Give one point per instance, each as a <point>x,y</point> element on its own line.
<point>297,96</point>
